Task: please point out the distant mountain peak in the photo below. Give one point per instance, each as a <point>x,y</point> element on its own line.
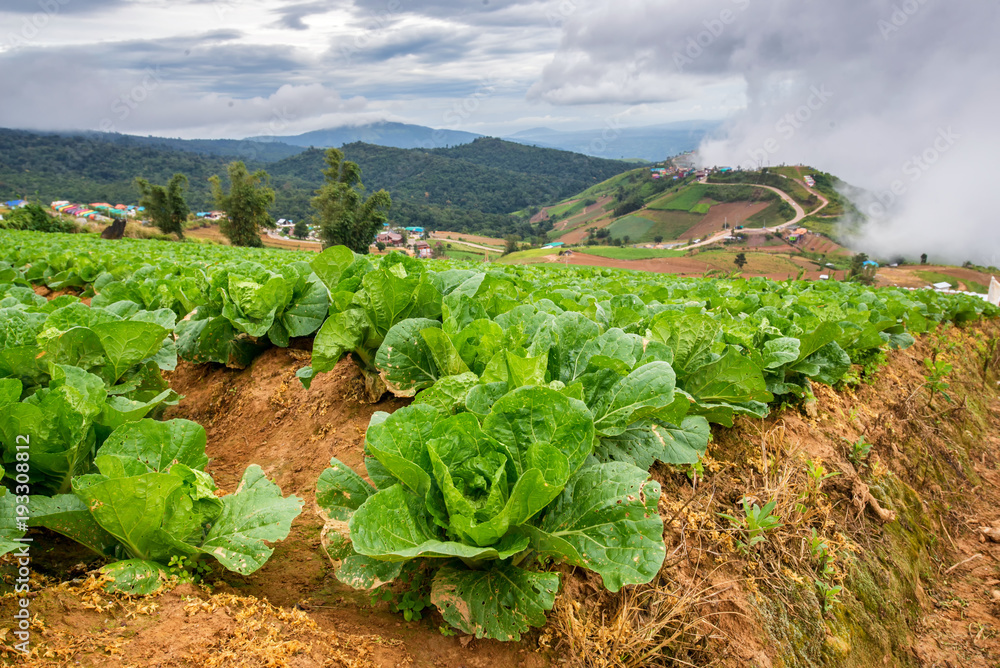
<point>379,133</point>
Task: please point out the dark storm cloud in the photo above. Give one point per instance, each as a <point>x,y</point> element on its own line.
<point>895,95</point>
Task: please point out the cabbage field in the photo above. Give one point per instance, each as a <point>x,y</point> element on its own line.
<point>541,397</point>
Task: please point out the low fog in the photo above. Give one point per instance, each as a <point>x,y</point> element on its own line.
<point>898,98</point>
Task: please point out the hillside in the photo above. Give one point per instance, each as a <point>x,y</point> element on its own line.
<point>672,207</point>
<point>87,169</point>
<point>489,175</point>
<point>470,188</point>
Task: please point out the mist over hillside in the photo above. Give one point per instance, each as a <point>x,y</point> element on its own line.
<point>891,97</point>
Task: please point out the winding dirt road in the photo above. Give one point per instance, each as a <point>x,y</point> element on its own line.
<point>800,213</point>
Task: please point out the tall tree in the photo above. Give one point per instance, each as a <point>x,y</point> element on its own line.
<point>345,217</point>
<point>301,229</point>
<point>245,204</point>
<point>740,260</point>
<point>165,205</point>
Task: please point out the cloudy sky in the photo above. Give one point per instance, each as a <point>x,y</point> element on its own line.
<point>233,68</point>
<point>896,96</point>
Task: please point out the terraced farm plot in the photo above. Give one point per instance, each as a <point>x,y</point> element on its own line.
<point>471,238</point>
<point>701,207</point>
<point>731,213</point>
<point>463,255</point>
<point>633,226</point>
<point>759,263</point>
<point>815,243</point>
<point>769,216</point>
<point>583,215</point>
<point>682,201</point>
<point>561,209</point>
<point>669,224</point>
<point>615,253</point>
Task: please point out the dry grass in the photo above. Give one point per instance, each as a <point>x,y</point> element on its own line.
<point>132,230</point>
<point>659,624</point>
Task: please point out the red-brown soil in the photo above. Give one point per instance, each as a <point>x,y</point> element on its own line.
<point>735,213</point>
<point>817,243</point>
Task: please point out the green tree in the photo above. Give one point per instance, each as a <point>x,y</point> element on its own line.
<point>857,263</point>
<point>923,258</point>
<point>301,229</point>
<point>165,205</point>
<point>510,244</point>
<point>245,204</point>
<point>740,260</point>
<point>658,238</point>
<point>345,217</point>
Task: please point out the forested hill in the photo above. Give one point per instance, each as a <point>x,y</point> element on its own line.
<point>84,169</point>
<point>470,188</point>
<point>489,175</point>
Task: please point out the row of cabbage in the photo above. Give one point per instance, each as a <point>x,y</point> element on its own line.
<point>541,396</point>
<point>82,456</point>
<point>540,403</point>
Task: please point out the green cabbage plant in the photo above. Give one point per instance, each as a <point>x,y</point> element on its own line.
<point>151,505</point>
<point>490,501</point>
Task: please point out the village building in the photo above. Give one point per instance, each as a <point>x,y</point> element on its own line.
<point>390,238</point>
